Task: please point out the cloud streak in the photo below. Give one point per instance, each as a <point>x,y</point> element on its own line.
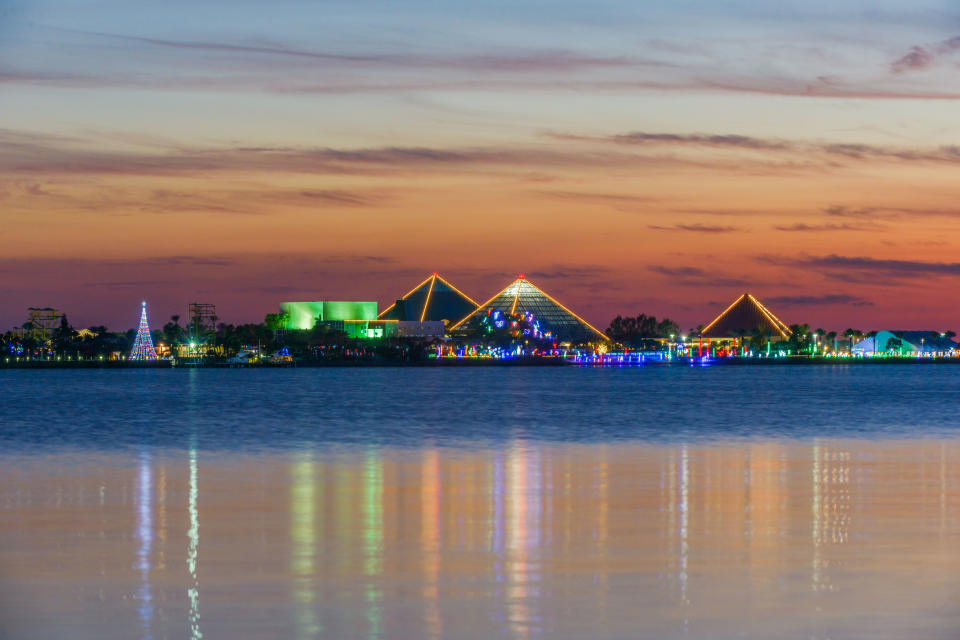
<point>865,269</point>
<point>921,58</point>
<point>824,300</point>
<point>694,228</point>
<point>945,153</point>
<point>802,227</point>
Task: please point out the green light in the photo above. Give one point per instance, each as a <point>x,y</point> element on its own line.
<point>304,315</point>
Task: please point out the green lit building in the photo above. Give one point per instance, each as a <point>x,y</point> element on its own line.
<point>304,315</point>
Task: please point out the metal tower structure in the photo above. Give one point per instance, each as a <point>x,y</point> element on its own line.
<point>143,344</point>
<point>43,322</point>
<point>203,322</point>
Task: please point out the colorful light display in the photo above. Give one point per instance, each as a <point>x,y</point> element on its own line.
<point>520,297</point>
<point>143,344</point>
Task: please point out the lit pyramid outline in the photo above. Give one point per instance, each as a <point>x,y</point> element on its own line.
<point>745,310</point>
<point>523,295</point>
<point>433,299</point>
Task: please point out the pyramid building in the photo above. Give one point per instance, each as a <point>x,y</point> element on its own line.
<point>521,296</point>
<point>741,318</point>
<point>432,299</point>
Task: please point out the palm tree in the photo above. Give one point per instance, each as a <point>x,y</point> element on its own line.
<point>832,337</point>
<point>873,334</point>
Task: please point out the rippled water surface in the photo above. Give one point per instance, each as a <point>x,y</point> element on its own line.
<point>725,502</point>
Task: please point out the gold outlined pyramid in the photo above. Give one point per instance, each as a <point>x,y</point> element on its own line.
<point>433,299</point>
<point>742,317</point>
<point>521,296</point>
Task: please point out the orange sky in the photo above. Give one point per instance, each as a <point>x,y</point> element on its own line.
<point>656,174</point>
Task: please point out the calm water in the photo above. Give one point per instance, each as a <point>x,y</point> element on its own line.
<point>759,502</point>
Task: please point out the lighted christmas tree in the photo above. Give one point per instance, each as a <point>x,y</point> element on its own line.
<point>143,345</point>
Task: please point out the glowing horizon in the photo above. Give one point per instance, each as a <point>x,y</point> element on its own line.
<point>630,157</point>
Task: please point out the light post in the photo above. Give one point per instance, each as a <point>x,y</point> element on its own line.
<point>670,348</point>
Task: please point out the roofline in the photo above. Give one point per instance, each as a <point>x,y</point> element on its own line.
<point>434,276</point>
<point>426,303</point>
<point>480,306</point>
<point>778,324</point>
<point>402,297</point>
<point>542,292</point>
<point>448,283</point>
<point>723,313</point>
<point>784,330</point>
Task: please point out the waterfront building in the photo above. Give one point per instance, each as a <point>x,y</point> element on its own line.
<point>356,319</point>
<point>304,315</point>
<point>745,318</point>
<point>434,299</point>
<point>522,297</point>
<point>905,343</point>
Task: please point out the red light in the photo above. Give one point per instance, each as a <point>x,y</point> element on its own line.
<point>520,277</point>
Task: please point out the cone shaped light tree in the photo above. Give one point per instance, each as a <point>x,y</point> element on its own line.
<point>143,344</point>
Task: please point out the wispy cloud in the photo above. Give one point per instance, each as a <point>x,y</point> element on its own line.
<point>687,276</point>
<point>945,153</point>
<point>803,227</point>
<point>864,269</point>
<point>695,228</point>
<point>727,140</point>
<point>823,300</point>
<point>614,199</point>
<point>519,60</point>
<point>678,272</point>
<point>889,213</point>
<point>919,58</point>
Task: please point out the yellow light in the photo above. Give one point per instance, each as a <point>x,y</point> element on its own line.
<point>519,282</point>
<point>717,319</point>
<point>446,282</point>
<point>406,295</point>
<point>426,303</point>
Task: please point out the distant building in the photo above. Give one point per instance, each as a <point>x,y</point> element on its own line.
<point>304,315</point>
<point>902,343</point>
<point>356,319</point>
<point>426,329</point>
<point>433,299</point>
<point>745,318</point>
<point>522,296</point>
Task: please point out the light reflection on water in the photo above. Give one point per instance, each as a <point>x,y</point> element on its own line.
<point>839,538</point>
<point>632,504</point>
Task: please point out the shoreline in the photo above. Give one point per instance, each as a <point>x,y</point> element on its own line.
<point>531,361</point>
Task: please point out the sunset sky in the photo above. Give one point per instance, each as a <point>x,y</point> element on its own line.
<point>627,156</point>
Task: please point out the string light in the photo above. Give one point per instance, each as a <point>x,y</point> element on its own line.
<point>143,344</point>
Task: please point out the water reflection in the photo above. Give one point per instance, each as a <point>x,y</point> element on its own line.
<point>430,542</point>
<point>304,502</point>
<point>759,539</point>
<point>145,537</point>
<point>193,549</point>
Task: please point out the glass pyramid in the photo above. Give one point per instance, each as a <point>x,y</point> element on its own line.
<point>521,296</point>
